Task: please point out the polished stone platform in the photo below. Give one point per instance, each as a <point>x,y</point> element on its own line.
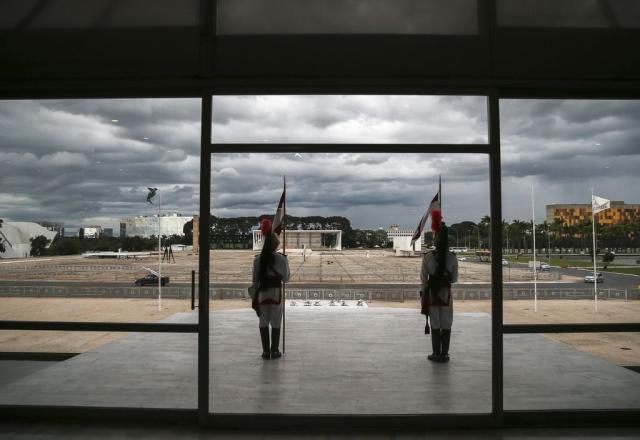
<point>339,360</point>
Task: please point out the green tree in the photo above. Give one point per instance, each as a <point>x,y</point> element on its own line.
<point>485,230</point>
<point>38,245</point>
<point>65,246</point>
<point>608,258</point>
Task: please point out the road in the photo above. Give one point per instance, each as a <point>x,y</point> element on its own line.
<point>613,281</point>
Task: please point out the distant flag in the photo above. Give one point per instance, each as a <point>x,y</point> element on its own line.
<point>152,194</point>
<point>279,217</point>
<point>599,204</point>
<point>436,216</point>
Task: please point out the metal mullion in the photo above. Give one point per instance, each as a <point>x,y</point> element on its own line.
<point>571,328</point>
<point>203,259</point>
<point>145,327</point>
<point>345,86</point>
<point>497,360</point>
<point>352,148</point>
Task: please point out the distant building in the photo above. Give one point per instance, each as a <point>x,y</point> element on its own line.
<point>402,239</point>
<point>576,214</point>
<point>16,237</point>
<point>91,232</point>
<point>147,226</point>
<point>314,239</point>
<point>52,226</point>
<point>107,232</point>
<point>69,232</point>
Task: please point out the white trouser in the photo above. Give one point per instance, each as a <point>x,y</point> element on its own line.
<point>441,316</point>
<point>270,314</point>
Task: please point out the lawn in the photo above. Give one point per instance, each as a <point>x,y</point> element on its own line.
<point>627,270</point>
<point>561,262</point>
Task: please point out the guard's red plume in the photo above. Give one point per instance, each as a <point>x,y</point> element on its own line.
<point>265,226</point>
<point>436,220</point>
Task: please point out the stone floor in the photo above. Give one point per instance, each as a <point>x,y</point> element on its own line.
<point>342,360</point>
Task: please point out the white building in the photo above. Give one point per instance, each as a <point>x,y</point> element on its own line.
<point>313,239</point>
<point>16,237</point>
<point>92,231</point>
<point>147,225</point>
<point>402,240</point>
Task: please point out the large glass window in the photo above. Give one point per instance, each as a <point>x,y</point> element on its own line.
<point>97,202</point>
<point>555,155</point>
<point>355,341</point>
<point>339,119</point>
<point>612,14</point>
<point>431,17</point>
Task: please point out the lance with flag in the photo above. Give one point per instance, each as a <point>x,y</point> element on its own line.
<point>152,193</point>
<point>598,204</point>
<point>435,211</point>
<point>277,228</point>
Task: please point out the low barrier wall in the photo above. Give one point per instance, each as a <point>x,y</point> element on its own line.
<point>391,294</point>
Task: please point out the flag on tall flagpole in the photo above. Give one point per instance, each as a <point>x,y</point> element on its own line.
<point>278,219</point>
<point>435,211</point>
<point>599,204</point>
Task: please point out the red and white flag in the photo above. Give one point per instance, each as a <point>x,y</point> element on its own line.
<point>436,217</point>
<point>278,219</point>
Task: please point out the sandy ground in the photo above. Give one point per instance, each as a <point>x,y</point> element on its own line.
<point>619,348</point>
<point>355,266</point>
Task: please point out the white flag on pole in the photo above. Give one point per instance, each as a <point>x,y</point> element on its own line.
<point>599,204</point>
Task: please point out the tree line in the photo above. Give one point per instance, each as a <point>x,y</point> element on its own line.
<point>518,235</point>
<point>239,230</point>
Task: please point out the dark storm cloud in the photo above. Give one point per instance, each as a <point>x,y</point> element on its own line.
<point>82,160</point>
<point>89,161</point>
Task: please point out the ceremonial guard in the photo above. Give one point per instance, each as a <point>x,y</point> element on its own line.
<point>270,270</point>
<point>439,271</point>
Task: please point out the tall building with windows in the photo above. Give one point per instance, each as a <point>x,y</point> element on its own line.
<point>575,214</point>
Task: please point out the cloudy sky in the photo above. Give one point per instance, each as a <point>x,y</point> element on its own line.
<point>84,162</point>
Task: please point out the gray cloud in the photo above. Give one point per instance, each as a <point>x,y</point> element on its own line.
<point>69,161</point>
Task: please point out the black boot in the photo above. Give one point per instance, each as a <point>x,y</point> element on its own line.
<point>264,337</point>
<point>446,337</point>
<point>275,342</point>
<point>435,345</point>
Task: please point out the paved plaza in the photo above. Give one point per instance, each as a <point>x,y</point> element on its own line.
<point>351,266</point>
<point>340,360</point>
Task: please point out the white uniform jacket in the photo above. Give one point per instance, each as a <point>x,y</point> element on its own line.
<point>280,267</point>
<point>429,265</point>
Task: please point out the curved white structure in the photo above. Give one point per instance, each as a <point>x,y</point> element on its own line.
<point>17,236</point>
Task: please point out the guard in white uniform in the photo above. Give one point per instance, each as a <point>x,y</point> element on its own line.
<point>439,271</point>
<point>266,290</point>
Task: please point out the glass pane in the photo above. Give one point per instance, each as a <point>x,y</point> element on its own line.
<point>554,154</point>
<point>355,341</point>
<point>98,369</point>
<point>380,119</point>
<point>79,238</point>
<point>451,17</point>
<point>571,371</point>
<point>80,14</point>
<point>569,13</point>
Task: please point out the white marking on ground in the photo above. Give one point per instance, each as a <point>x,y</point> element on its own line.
<point>338,305</point>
